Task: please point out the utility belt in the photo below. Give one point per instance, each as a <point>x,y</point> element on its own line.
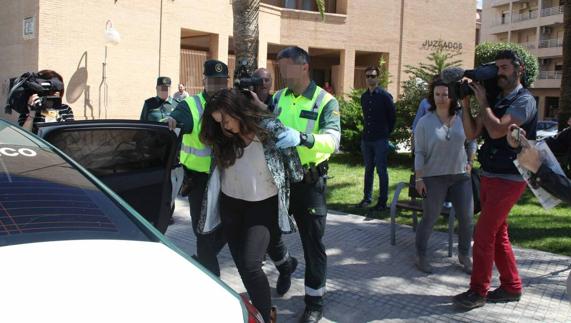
<point>312,172</point>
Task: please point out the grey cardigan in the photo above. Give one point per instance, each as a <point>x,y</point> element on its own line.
<point>284,166</point>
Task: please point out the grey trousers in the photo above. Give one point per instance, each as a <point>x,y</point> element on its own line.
<point>458,188</point>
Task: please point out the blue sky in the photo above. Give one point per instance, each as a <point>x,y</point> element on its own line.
<point>479,4</point>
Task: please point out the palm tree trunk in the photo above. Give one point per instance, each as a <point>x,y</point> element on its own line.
<point>565,98</point>
<point>246,33</point>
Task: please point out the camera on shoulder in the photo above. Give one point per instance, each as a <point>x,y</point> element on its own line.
<point>244,81</point>
<point>485,74</point>
<point>31,83</point>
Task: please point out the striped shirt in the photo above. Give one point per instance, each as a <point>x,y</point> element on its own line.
<point>62,113</point>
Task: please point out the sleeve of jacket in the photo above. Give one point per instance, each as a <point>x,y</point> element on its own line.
<point>289,156</point>
<point>183,117</point>
<point>329,137</point>
<point>558,185</point>
<point>391,112</point>
<point>561,143</point>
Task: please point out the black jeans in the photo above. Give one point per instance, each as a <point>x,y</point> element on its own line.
<point>309,208</point>
<point>208,246</point>
<point>249,227</point>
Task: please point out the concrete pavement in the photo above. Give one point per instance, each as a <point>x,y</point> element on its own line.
<point>369,280</point>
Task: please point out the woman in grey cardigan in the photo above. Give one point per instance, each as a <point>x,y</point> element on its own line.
<point>442,166</point>
<point>248,189</point>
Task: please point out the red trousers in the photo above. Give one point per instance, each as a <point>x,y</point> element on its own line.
<point>491,240</point>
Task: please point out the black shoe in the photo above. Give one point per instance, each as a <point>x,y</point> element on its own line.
<point>500,295</point>
<point>311,316</point>
<point>379,207</point>
<point>363,204</point>
<point>284,280</point>
<point>469,300</point>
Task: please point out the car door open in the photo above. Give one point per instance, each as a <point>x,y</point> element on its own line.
<point>133,158</point>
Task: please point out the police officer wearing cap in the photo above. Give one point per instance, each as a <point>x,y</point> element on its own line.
<point>196,158</point>
<point>312,116</point>
<point>159,107</point>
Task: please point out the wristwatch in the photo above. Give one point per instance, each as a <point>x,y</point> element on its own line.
<point>303,138</point>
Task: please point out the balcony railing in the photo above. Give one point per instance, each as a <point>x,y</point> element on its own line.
<point>552,11</point>
<point>550,75</point>
<point>527,45</point>
<point>551,43</point>
<point>525,16</point>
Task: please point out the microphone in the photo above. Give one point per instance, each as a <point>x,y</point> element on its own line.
<point>452,74</point>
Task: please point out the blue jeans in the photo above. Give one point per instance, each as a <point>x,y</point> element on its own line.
<point>375,155</point>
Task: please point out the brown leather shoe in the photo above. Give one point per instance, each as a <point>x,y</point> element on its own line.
<point>273,315</point>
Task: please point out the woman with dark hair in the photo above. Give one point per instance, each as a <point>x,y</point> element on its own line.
<point>248,190</point>
<point>40,111</point>
<point>443,169</point>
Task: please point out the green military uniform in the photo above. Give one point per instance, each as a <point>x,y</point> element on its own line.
<point>315,114</point>
<point>155,108</point>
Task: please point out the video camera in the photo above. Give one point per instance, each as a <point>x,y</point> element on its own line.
<point>243,80</point>
<point>32,83</point>
<point>485,74</point>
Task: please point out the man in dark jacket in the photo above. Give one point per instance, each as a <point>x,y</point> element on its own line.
<point>379,121</point>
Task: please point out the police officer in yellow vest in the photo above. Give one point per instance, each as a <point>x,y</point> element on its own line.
<point>195,157</point>
<point>312,115</point>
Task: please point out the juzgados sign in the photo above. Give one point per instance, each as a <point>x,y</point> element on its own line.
<point>442,45</point>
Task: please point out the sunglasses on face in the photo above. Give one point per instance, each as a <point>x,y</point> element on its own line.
<point>164,88</point>
<point>370,76</point>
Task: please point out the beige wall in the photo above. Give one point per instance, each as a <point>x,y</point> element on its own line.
<point>450,21</point>
<point>17,55</point>
<point>133,64</point>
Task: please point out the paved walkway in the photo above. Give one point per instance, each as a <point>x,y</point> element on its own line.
<point>369,280</point>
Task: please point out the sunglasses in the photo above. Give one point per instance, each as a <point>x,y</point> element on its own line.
<point>371,76</point>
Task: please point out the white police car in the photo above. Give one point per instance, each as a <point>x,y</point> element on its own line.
<point>72,250</point>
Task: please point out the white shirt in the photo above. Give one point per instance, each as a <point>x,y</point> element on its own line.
<point>249,179</point>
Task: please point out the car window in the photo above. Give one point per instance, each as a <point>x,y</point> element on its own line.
<point>44,198</point>
<point>105,152</point>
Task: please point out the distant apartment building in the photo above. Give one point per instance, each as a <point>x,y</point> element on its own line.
<point>174,38</point>
<point>538,26</point>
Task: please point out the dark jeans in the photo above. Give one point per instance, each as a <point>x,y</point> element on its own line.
<point>307,203</point>
<point>249,227</point>
<point>207,245</point>
<point>375,155</point>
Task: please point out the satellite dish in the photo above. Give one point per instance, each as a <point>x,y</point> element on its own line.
<point>76,85</point>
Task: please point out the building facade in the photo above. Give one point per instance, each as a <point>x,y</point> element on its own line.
<point>174,37</point>
<point>538,26</point>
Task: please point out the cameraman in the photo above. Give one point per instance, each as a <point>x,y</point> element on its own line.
<point>501,183</point>
<point>59,112</point>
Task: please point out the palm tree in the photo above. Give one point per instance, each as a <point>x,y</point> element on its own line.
<point>565,97</point>
<point>437,61</point>
<point>246,31</point>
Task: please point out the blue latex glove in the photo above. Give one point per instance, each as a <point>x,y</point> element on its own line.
<point>287,139</point>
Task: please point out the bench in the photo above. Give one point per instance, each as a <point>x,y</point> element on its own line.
<point>415,205</point>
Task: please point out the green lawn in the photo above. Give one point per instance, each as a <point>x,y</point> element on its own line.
<point>531,226</point>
